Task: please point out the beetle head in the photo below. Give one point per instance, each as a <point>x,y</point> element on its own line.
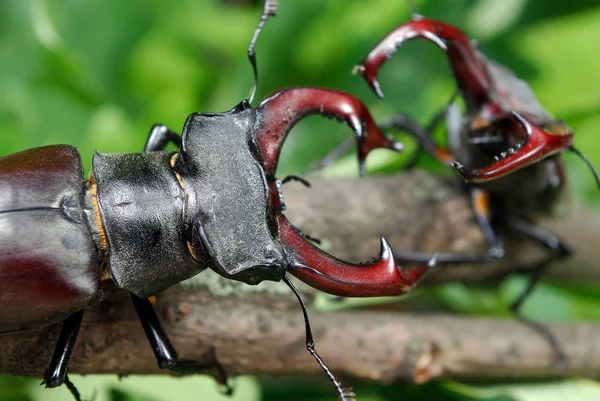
<point>228,196</point>
<point>277,114</point>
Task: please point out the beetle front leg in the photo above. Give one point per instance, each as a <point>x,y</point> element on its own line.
<point>381,277</point>
<point>279,112</point>
<point>160,136</point>
<point>165,353</point>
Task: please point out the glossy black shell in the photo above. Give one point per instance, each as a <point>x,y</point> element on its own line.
<point>48,260</point>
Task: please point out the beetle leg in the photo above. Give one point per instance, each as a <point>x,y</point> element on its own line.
<point>333,155</point>
<point>402,122</point>
<point>558,250</point>
<point>480,201</point>
<point>381,277</point>
<point>470,72</point>
<point>423,137</point>
<point>539,144</point>
<point>165,353</point>
<point>56,374</point>
<point>280,111</point>
<point>296,178</point>
<point>159,138</point>
<point>344,394</point>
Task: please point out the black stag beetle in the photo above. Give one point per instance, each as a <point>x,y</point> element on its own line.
<point>506,147</point>
<point>147,221</point>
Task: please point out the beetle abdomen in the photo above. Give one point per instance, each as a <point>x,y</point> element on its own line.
<point>48,261</point>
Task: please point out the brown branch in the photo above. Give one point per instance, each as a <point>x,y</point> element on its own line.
<point>263,333</point>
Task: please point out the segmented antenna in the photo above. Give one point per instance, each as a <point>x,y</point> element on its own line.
<point>344,394</point>
<point>588,162</point>
<point>270,10</point>
<point>413,10</point>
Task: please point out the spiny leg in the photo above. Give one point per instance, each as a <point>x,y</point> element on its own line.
<point>558,250</point>
<point>160,136</point>
<point>304,182</point>
<point>56,374</point>
<point>482,209</point>
<point>165,353</point>
<point>343,394</point>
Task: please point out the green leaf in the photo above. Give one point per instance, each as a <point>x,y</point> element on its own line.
<point>576,390</point>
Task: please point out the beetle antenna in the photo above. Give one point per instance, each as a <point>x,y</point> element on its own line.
<point>344,394</point>
<point>588,162</point>
<point>270,10</point>
<point>413,10</point>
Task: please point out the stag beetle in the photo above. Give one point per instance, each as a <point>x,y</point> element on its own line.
<point>147,221</point>
<point>506,148</point>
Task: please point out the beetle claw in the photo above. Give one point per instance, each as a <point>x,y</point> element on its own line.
<point>380,277</point>
<point>279,112</point>
<point>540,144</point>
<point>468,69</point>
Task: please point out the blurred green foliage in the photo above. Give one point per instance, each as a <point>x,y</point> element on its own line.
<point>98,74</point>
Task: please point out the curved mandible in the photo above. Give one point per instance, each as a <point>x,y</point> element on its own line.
<point>540,144</point>
<point>280,111</point>
<point>379,278</point>
<point>470,72</point>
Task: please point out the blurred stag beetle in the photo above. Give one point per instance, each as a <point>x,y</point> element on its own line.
<point>506,147</point>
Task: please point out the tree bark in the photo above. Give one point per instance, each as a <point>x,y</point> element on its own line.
<point>259,330</point>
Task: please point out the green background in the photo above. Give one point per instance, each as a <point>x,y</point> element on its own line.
<point>98,74</point>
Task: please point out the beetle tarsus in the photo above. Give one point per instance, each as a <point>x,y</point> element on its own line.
<point>72,389</point>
